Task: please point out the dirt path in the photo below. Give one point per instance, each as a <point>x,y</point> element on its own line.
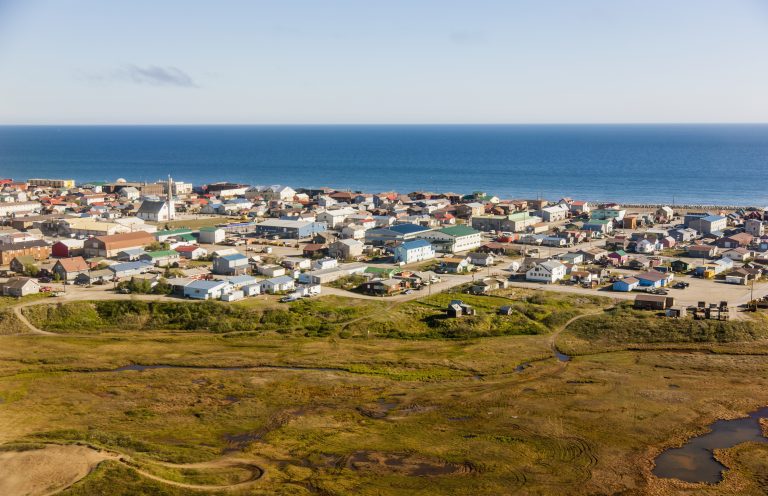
<point>53,468</point>
<point>34,330</point>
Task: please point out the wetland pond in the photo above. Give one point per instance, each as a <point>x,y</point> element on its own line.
<point>695,461</point>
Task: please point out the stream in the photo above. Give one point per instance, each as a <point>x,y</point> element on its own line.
<point>695,461</point>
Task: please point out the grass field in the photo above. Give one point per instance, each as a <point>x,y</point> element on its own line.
<point>429,409</point>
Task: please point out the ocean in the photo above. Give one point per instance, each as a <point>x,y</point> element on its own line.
<point>693,164</point>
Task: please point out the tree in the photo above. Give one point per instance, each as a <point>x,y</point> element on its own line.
<point>31,270</point>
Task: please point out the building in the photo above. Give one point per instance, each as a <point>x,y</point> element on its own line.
<point>206,290</point>
<point>159,210</point>
<point>603,226</point>
<point>735,240</point>
<point>549,272</point>
<point>415,250</point>
<point>453,239</point>
<point>211,235</point>
<point>231,265</point>
<point>67,248</point>
<point>702,251</point>
<point>707,224</point>
<point>754,227</point>
<point>397,233</point>
<point>293,229</point>
<point>19,286</point>
<point>346,249</point>
<point>191,252</point>
<point>653,302</point>
<point>52,183</point>
<point>38,249</point>
<point>514,222</point>
<point>110,246</point>
<point>627,284</point>
<point>555,213</point>
<point>654,279</point>
<point>130,269</point>
<point>67,269</point>
<point>161,258</point>
<point>278,284</point>
<point>11,208</point>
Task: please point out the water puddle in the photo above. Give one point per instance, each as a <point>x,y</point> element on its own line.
<point>695,462</point>
<point>560,356</point>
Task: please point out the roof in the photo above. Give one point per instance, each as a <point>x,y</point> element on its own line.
<point>288,224</point>
<point>121,267</point>
<point>23,245</point>
<point>210,229</point>
<point>161,253</point>
<point>206,285</point>
<point>18,282</point>
<point>407,228</point>
<point>74,264</point>
<point>416,243</point>
<point>187,248</point>
<point>629,280</point>
<point>457,231</point>
<point>279,280</point>
<point>651,275</point>
<point>151,207</point>
<point>172,232</point>
<point>126,240</point>
<point>650,297</point>
<point>234,256</point>
<point>551,264</point>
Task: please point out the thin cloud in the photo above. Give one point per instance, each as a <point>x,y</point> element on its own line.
<point>464,37</point>
<point>153,75</point>
<point>159,76</point>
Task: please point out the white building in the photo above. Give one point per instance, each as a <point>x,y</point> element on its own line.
<point>212,235</point>
<point>453,239</point>
<point>550,271</point>
<point>413,251</point>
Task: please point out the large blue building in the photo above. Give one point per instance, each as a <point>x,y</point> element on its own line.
<point>293,229</point>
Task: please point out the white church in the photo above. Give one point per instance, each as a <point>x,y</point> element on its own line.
<point>159,210</point>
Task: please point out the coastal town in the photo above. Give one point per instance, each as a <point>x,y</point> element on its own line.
<point>227,241</point>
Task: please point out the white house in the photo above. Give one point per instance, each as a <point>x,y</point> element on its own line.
<point>156,210</point>
<point>211,235</point>
<point>335,218</point>
<point>278,284</point>
<point>206,290</point>
<point>414,251</point>
<point>550,271</point>
<point>325,263</point>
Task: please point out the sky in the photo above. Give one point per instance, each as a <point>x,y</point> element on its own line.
<point>383,62</point>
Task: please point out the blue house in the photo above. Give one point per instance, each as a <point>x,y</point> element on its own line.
<point>129,269</point>
<point>294,229</point>
<point>414,251</point>
<point>627,284</point>
<point>653,279</point>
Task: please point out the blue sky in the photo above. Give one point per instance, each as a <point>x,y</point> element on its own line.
<point>397,61</point>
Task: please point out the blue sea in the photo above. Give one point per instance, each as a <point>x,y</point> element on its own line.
<point>699,164</point>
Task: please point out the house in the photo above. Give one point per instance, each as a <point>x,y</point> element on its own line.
<point>67,269</point>
<point>593,255</point>
<point>325,263</point>
<point>457,308</point>
<point>130,254</point>
<point>19,286</point>
<point>618,258</point>
<point>211,235</point>
<point>653,302</point>
<point>66,248</point>
<point>109,246</point>
<point>555,213</point>
<point>346,249</point>
<point>488,284</point>
<point>278,284</point>
<point>701,251</point>
<point>684,235</point>
<point>413,251</point>
<point>646,246</point>
<point>627,284</point>
<point>572,258</point>
<point>739,254</point>
<point>240,282</point>
<point>206,290</point>
<point>314,250</point>
<point>739,276</point>
<point>294,263</point>
<point>735,240</point>
<point>754,227</point>
<point>98,276</point>
<point>653,279</point>
<point>482,259</point>
<point>550,271</point>
<point>453,239</point>
<point>598,226</point>
<point>231,265</point>
<point>455,265</point>
<point>130,269</point>
<point>21,263</point>
<point>680,266</point>
<point>384,287</point>
<point>161,258</point>
<point>270,270</point>
<point>608,213</point>
<point>191,252</point>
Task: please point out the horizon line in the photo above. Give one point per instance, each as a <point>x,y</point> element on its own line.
<point>380,124</point>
